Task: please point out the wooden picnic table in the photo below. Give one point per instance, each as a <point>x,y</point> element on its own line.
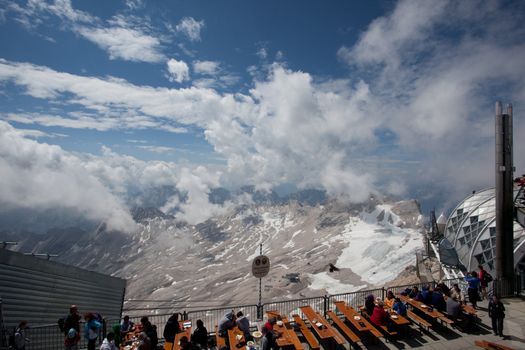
<point>236,338</point>
<point>360,323</point>
<point>421,307</point>
<point>321,326</point>
<point>288,336</point>
<point>128,339</point>
<point>186,332</point>
<point>397,319</point>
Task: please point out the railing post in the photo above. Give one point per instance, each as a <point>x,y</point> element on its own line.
<point>325,302</point>
<point>184,315</point>
<point>260,311</point>
<point>104,325</point>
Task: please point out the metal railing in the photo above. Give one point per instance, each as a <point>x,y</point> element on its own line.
<point>49,337</point>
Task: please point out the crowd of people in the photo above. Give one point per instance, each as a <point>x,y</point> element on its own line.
<point>446,300</point>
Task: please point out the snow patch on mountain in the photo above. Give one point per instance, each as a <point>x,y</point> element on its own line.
<point>378,250</point>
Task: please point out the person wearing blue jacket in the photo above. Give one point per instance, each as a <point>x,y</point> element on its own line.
<point>91,330</point>
<point>399,307</point>
<point>473,287</point>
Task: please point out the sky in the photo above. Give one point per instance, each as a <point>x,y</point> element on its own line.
<point>102,101</point>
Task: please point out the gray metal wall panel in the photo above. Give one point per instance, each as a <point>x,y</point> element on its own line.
<point>41,291</point>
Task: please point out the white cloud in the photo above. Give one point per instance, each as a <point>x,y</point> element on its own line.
<point>206,67</point>
<point>196,184</point>
<point>262,53</point>
<point>191,28</point>
<point>41,176</point>
<point>178,70</point>
<point>158,149</point>
<point>125,43</point>
<point>412,114</point>
<point>126,38</point>
<point>435,92</point>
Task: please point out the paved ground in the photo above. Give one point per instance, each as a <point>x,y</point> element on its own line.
<point>450,339</point>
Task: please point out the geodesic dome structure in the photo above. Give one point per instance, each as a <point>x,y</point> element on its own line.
<point>471,231</point>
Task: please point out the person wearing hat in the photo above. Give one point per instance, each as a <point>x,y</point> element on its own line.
<point>72,339</point>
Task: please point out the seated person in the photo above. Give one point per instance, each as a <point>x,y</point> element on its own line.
<point>456,292</point>
<point>444,288</point>
<point>438,301</point>
<point>399,307</point>
<point>185,343</point>
<point>144,342</point>
<point>370,304</point>
<point>227,322</point>
<point>390,298</point>
<point>453,308</point>
<point>126,326</point>
<point>415,294</point>
<point>171,328</point>
<point>426,294</point>
<point>200,335</point>
<point>379,316</point>
<point>244,326</point>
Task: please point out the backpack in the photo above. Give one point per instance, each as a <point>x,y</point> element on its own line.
<point>487,277</point>
<point>98,317</point>
<point>62,324</point>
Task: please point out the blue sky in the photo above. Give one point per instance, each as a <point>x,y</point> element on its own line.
<point>357,98</point>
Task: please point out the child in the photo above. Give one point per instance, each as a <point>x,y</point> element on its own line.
<point>497,314</point>
<point>72,339</point>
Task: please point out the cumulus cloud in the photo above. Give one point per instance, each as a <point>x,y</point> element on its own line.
<point>191,28</point>
<point>41,176</point>
<point>178,70</point>
<point>435,91</point>
<point>415,116</point>
<point>196,184</point>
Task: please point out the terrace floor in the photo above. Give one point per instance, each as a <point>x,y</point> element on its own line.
<point>451,339</point>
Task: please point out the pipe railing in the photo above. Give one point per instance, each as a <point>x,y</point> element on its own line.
<point>49,337</point>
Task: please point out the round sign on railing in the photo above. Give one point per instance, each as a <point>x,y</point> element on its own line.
<point>260,266</point>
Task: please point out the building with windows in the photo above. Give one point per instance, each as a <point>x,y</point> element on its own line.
<point>471,231</point>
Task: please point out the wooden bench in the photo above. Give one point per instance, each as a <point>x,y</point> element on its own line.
<point>308,335</point>
<point>337,337</point>
<point>445,320</point>
<point>418,320</point>
<point>354,338</point>
<point>491,346</point>
<point>221,342</point>
<point>168,345</point>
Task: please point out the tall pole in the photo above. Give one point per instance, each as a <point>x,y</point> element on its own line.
<point>504,194</point>
<point>260,279</point>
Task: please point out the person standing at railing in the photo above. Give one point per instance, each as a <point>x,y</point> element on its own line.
<point>473,286</point>
<point>20,336</point>
<point>91,330</point>
<point>72,320</point>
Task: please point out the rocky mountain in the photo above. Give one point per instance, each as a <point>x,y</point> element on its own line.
<point>210,263</point>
